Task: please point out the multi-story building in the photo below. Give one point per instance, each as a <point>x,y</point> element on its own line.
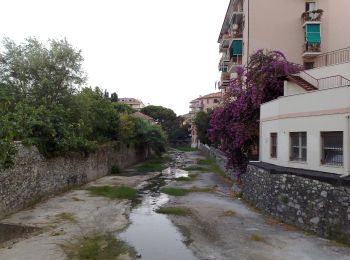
<point>132,102</point>
<point>309,127</point>
<point>302,30</point>
<point>203,103</point>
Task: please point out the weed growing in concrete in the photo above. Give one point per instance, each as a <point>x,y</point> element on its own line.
<point>257,238</point>
<point>154,164</point>
<point>228,213</point>
<point>186,149</point>
<point>66,216</point>
<point>174,211</point>
<point>114,192</point>
<point>97,247</point>
<point>195,168</point>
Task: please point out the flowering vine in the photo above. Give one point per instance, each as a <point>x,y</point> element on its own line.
<point>235,126</point>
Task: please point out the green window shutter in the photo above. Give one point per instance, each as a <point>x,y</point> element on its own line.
<point>313,33</point>
<point>236,47</point>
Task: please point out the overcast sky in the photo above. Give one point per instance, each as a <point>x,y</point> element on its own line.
<point>163,52</point>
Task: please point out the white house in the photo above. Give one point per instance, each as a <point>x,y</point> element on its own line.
<point>309,127</point>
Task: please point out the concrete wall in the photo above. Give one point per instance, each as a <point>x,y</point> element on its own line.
<point>313,112</point>
<point>310,204</point>
<point>34,177</point>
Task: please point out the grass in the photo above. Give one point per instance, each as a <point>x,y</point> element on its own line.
<point>66,216</point>
<point>195,168</point>
<point>185,149</point>
<point>154,164</point>
<point>189,178</point>
<point>213,167</point>
<point>114,192</point>
<point>182,192</point>
<point>257,238</point>
<point>174,211</point>
<point>228,213</point>
<point>97,247</point>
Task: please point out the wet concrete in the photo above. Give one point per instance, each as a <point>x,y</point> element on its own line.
<point>10,231</point>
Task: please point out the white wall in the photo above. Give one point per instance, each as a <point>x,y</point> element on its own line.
<point>312,112</point>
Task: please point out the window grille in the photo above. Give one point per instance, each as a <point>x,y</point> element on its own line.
<point>273,139</point>
<point>298,146</point>
<point>332,148</point>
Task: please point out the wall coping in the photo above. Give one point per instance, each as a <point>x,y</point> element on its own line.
<point>330,178</point>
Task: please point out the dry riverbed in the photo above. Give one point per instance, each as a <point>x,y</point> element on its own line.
<point>62,221</point>
<point>187,212</point>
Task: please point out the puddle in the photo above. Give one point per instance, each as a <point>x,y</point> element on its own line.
<point>9,232</point>
<point>153,235</point>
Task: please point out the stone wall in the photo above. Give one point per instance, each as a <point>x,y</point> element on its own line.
<point>35,177</point>
<point>311,204</point>
<point>218,157</point>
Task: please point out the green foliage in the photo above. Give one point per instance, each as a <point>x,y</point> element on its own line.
<point>97,247</point>
<point>114,97</point>
<point>202,122</point>
<point>123,108</point>
<point>115,169</point>
<point>168,120</point>
<point>174,191</point>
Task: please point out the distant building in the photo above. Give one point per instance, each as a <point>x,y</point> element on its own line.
<point>203,103</point>
<point>132,102</point>
<point>309,127</point>
<point>302,30</point>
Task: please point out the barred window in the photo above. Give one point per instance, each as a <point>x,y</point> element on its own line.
<point>298,148</point>
<point>332,148</point>
<point>273,148</point>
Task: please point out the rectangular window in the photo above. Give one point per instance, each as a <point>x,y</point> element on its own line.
<point>313,33</point>
<point>273,148</point>
<point>298,146</point>
<point>332,148</point>
<point>310,6</point>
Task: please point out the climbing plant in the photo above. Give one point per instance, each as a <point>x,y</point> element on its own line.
<point>234,128</point>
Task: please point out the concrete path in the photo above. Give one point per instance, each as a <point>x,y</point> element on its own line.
<point>223,227</point>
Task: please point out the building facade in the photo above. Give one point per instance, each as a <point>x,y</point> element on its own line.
<point>309,127</point>
<point>203,103</point>
<point>302,30</point>
<point>132,102</point>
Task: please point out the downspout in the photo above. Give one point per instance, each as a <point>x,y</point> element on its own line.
<point>248,31</point>
<point>348,143</point>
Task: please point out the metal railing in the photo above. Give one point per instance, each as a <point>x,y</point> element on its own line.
<point>312,16</point>
<point>332,82</point>
<point>333,58</point>
<point>326,82</point>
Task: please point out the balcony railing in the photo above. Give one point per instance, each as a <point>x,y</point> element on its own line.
<point>325,83</point>
<point>333,58</point>
<point>312,16</point>
<point>312,47</point>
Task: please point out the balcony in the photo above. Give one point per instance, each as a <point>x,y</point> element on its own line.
<point>225,79</point>
<point>312,16</point>
<point>312,49</point>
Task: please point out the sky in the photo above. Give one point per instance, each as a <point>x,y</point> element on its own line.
<point>164,52</point>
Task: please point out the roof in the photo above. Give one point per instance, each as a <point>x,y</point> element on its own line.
<point>211,95</point>
<point>143,116</point>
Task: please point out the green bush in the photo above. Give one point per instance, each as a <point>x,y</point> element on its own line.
<point>115,169</point>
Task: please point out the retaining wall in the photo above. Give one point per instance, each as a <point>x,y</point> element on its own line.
<point>35,177</point>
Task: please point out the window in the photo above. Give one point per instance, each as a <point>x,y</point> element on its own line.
<point>273,148</point>
<point>313,33</point>
<point>332,148</point>
<point>298,146</point>
<point>310,6</point>
<point>216,101</point>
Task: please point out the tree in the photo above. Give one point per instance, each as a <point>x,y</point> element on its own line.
<point>202,123</point>
<point>114,97</point>
<point>235,126</point>
<point>165,117</point>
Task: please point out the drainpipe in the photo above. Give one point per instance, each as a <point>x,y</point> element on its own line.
<point>348,143</point>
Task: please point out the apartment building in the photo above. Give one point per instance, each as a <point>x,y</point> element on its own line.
<point>132,102</point>
<point>309,127</point>
<point>203,103</point>
<point>302,30</point>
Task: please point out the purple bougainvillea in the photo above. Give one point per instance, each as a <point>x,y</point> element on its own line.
<point>235,126</point>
